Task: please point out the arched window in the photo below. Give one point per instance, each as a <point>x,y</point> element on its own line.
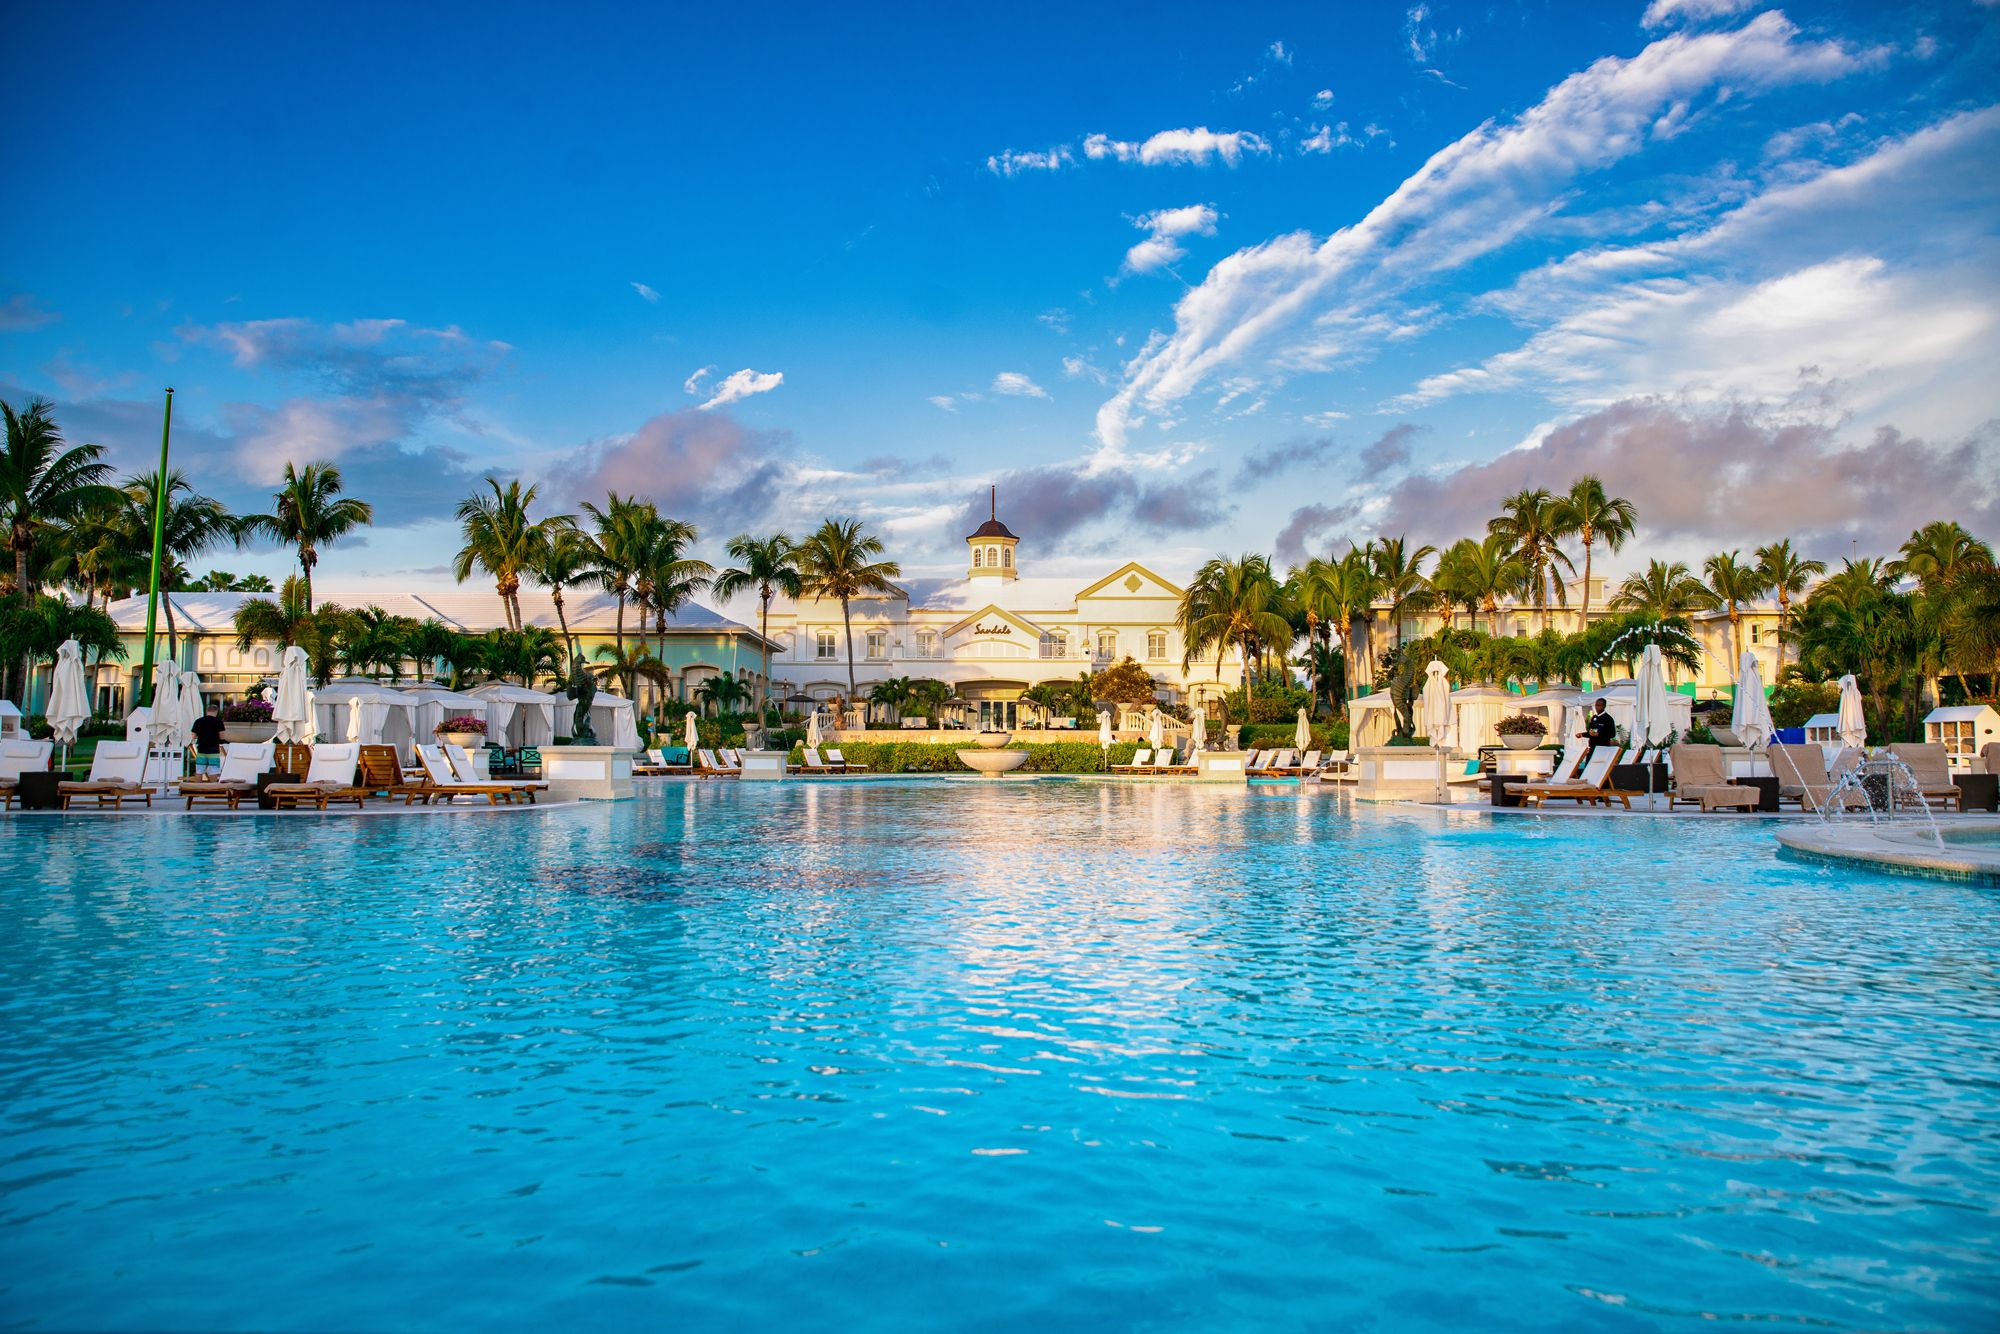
<point>1007,557</point>
<point>978,557</point>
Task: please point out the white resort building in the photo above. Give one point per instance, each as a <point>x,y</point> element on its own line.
<point>994,633</point>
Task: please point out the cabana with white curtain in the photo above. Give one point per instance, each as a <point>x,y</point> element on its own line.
<point>1371,720</point>
<point>517,716</point>
<point>1549,704</point>
<point>434,704</point>
<point>1476,710</point>
<point>385,717</point>
<point>1621,702</point>
<point>613,719</point>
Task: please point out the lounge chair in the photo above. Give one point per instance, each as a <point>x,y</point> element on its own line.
<point>811,762</point>
<point>332,776</point>
<point>17,758</point>
<point>116,771</point>
<point>441,783</point>
<point>711,767</point>
<point>652,765</point>
<point>1989,755</point>
<point>1931,766</point>
<point>1800,767</point>
<point>1700,780</point>
<point>1254,761</point>
<point>1591,787</point>
<point>836,758</point>
<point>241,763</point>
<point>382,772</point>
<point>462,769</point>
<point>1176,762</point>
<point>1277,764</point>
<point>1142,762</point>
<point>1308,764</point>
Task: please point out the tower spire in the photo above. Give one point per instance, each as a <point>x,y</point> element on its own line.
<point>993,501</point>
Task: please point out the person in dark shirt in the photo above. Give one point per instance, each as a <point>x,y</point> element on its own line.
<point>207,731</point>
<point>1600,729</point>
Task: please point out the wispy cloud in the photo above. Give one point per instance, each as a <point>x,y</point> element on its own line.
<point>944,402</point>
<point>1014,161</point>
<point>1164,227</point>
<point>1663,12</point>
<point>742,384</point>
<point>1196,147</point>
<point>646,293</point>
<point>19,313</point>
<point>1017,385</point>
<point>693,384</point>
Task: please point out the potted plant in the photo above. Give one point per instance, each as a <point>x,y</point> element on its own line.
<point>465,730</point>
<point>248,720</point>
<point>1521,731</point>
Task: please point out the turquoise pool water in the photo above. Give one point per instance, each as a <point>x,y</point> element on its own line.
<point>1060,1055</point>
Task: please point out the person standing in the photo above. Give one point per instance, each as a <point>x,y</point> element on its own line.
<point>1600,729</point>
<point>207,731</point>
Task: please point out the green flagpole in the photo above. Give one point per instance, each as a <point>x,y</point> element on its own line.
<point>159,536</point>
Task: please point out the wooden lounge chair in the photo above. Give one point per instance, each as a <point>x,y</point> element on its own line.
<point>1141,762</point>
<point>291,757</point>
<point>1591,787</point>
<point>442,783</point>
<point>1800,767</point>
<point>1701,781</point>
<point>834,757</point>
<point>237,779</point>
<point>17,758</point>
<point>382,774</point>
<point>462,768</point>
<point>811,762</point>
<point>331,777</point>
<point>1989,755</point>
<point>115,777</point>
<point>711,767</point>
<point>1277,764</point>
<point>1185,764</point>
<point>1930,765</point>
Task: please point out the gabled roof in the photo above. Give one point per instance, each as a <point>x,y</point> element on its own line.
<point>994,609</point>
<point>1130,569</point>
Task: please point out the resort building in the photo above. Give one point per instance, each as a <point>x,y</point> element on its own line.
<point>994,633</point>
<point>698,643</point>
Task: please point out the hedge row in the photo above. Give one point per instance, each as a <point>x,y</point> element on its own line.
<point>918,757</point>
<point>1263,736</point>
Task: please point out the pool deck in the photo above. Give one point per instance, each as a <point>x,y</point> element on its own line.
<point>1901,849</point>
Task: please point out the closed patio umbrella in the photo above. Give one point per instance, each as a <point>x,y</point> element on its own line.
<point>1751,718</point>
<point>188,703</point>
<point>812,729</point>
<point>1200,730</point>
<point>1853,722</point>
<point>293,712</point>
<point>1104,728</point>
<point>1652,713</point>
<point>1302,735</point>
<point>1156,730</point>
<point>1434,708</point>
<point>694,737</point>
<point>163,726</point>
<point>69,702</point>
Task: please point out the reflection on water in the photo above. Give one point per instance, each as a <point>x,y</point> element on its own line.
<point>901,1054</point>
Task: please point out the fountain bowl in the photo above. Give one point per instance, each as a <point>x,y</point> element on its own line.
<point>992,740</point>
<point>992,763</point>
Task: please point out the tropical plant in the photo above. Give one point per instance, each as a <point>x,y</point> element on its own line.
<point>1626,639</point>
<point>375,642</point>
<point>1232,603</point>
<point>464,724</point>
<point>929,696</point>
<point>721,693</point>
<point>1731,584</point>
<point>501,539</point>
<point>523,655</point>
<point>1123,682</point>
<point>1594,516</point>
<point>630,664</point>
<point>44,483</point>
<point>670,577</point>
<point>770,565</point>
<point>1788,575</point>
<point>1399,577</point>
<point>290,620</point>
<point>32,632</point>
<point>190,525</point>
<point>1939,552</point>
<point>1477,574</point>
<point>840,562</point>
<point>308,513</point>
<point>620,535</point>
<point>563,561</point>
<point>1522,724</point>
<point>1532,524</point>
<point>1665,589</point>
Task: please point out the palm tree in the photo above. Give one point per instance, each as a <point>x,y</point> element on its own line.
<point>892,693</point>
<point>308,513</point>
<point>771,566</point>
<point>1594,516</point>
<point>669,577</point>
<point>840,562</point>
<point>501,539</point>
<point>1939,552</point>
<point>721,693</point>
<point>377,642</point>
<point>430,642</point>
<point>1788,575</point>
<point>1664,590</point>
<point>1233,603</point>
<point>1731,583</point>
<point>290,620</point>
<point>1533,523</point>
<point>43,484</point>
<point>1856,582</point>
<point>629,666</point>
<point>190,525</point>
<point>622,533</point>
<point>1399,576</point>
<point>1480,573</point>
<point>563,561</point>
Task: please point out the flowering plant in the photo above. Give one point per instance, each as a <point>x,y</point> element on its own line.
<point>464,723</point>
<point>1521,724</point>
<point>247,711</point>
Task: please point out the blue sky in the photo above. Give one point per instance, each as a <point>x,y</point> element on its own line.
<point>1177,281</point>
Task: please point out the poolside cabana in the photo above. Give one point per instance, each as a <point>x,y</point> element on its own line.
<point>1621,702</point>
<point>1371,720</point>
<point>1476,709</point>
<point>386,717</point>
<point>517,716</point>
<point>612,717</point>
<point>10,721</point>
<point>1549,704</point>
<point>434,704</point>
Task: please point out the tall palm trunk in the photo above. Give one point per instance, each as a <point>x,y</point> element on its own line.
<point>1583,617</point>
<point>562,619</point>
<point>764,632</point>
<point>307,559</point>
<point>847,624</point>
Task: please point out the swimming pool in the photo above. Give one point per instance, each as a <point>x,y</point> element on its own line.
<point>902,1055</point>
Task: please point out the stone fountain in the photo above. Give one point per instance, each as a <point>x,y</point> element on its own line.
<point>990,760</point>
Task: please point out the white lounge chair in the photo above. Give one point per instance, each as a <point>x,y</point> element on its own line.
<point>328,778</point>
<point>834,757</point>
<point>1142,762</point>
<point>442,783</point>
<point>710,766</point>
<point>17,758</point>
<point>242,761</point>
<point>463,769</point>
<point>1592,787</point>
<point>117,773</point>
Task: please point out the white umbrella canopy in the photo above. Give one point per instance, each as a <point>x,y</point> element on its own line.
<point>165,724</point>
<point>1302,735</point>
<point>1434,708</point>
<point>812,729</point>
<point>69,701</point>
<point>293,711</point>
<point>187,703</point>
<point>1104,728</point>
<point>1853,722</point>
<point>1200,730</point>
<point>692,735</point>
<point>1751,718</point>
<point>1652,712</point>
<point>1156,730</point>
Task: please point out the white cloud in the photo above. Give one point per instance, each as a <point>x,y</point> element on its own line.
<point>1663,12</point>
<point>1178,147</point>
<point>1076,368</point>
<point>646,293</point>
<point>1165,225</point>
<point>1297,303</point>
<point>742,384</point>
<point>943,401</point>
<point>19,313</point>
<point>1277,54</point>
<point>1017,385</point>
<point>693,383</point>
<point>1323,99</point>
<point>1014,162</point>
<point>1057,319</point>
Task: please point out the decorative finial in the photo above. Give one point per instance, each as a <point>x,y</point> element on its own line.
<point>993,502</point>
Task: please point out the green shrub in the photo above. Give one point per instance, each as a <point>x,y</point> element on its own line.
<point>1795,701</point>
<point>1274,702</point>
<point>1264,736</point>
<point>920,757</point>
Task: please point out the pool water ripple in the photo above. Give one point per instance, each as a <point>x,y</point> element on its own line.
<point>897,1055</point>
